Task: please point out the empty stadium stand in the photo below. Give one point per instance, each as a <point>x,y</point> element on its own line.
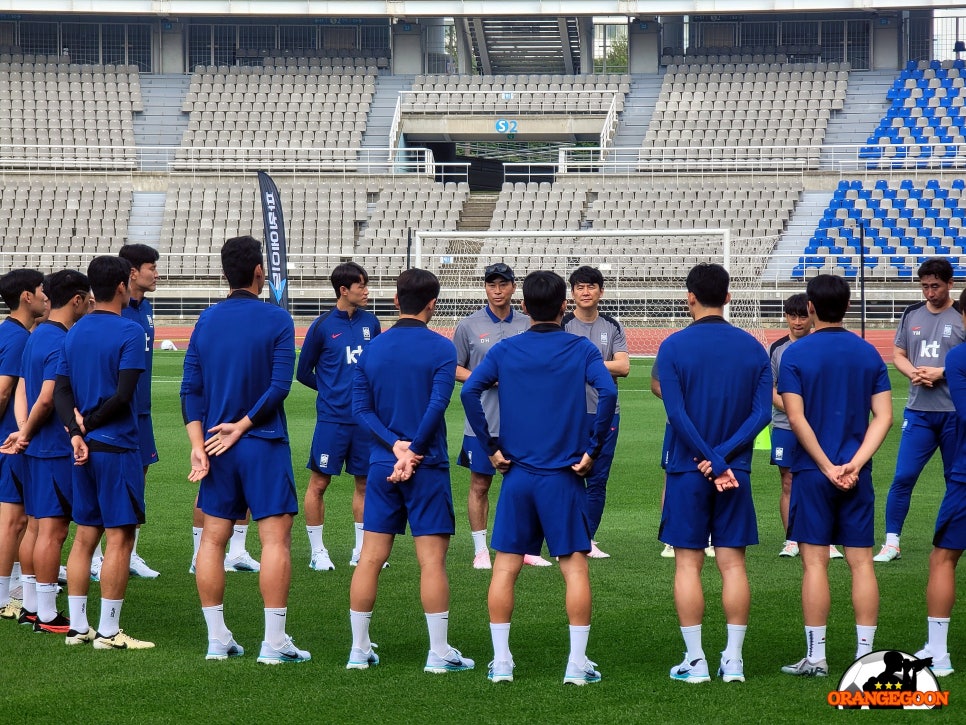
<point>901,223</point>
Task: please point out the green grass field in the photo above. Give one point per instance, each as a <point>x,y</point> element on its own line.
<point>635,637</point>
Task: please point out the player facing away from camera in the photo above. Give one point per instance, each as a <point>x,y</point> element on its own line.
<point>473,338</point>
<point>831,381</point>
<point>950,538</point>
<point>22,292</point>
<point>927,331</point>
<point>587,288</point>
<point>144,279</point>
<point>708,492</point>
<point>400,390</point>
<point>232,397</point>
<point>333,345</point>
<point>541,378</point>
<point>783,441</point>
<point>103,358</point>
<point>47,450</point>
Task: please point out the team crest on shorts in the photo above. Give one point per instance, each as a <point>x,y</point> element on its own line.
<point>779,453</point>
<point>324,460</point>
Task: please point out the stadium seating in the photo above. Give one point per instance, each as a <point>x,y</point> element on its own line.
<point>902,223</point>
<point>719,110</point>
<point>926,114</point>
<point>67,115</point>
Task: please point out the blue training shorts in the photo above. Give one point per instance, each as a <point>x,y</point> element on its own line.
<point>109,490</point>
<point>336,443</point>
<point>533,506</point>
<point>149,449</point>
<point>784,446</point>
<point>821,514</point>
<point>50,488</point>
<point>695,510</point>
<point>256,474</point>
<point>951,521</point>
<point>473,457</point>
<point>12,476</point>
<point>425,501</point>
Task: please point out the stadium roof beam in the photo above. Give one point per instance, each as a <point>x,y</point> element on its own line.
<point>453,8</point>
<point>479,38</point>
<point>564,27</point>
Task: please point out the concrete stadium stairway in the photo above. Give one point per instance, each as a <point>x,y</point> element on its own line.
<point>802,225</point>
<point>865,105</point>
<point>382,108</point>
<point>162,123</point>
<point>638,107</point>
<point>147,214</point>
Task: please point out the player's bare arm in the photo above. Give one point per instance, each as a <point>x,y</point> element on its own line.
<point>226,435</point>
<point>500,463</point>
<point>795,409</point>
<point>198,457</point>
<point>462,374</point>
<point>583,466</point>
<point>875,434</point>
<point>620,366</point>
<point>901,360</point>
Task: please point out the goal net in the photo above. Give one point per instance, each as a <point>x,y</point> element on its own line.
<point>644,272</point>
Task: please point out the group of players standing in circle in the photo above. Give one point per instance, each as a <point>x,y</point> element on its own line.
<point>829,391</point>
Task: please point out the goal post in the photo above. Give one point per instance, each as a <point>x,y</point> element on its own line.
<point>643,269</point>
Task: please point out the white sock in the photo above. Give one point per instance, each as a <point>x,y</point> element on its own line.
<point>479,540</point>
<point>4,590</point>
<point>236,546</point>
<point>98,552</point>
<point>579,634</point>
<point>110,617</point>
<point>736,639</point>
<point>15,571</point>
<point>359,621</point>
<point>438,625</point>
<point>315,537</point>
<point>46,601</point>
<point>938,630</point>
<point>864,636</point>
<point>215,619</point>
<point>692,642</point>
<point>275,625</point>
<point>77,606</point>
<point>892,540</point>
<point>137,535</point>
<point>195,541</point>
<point>500,634</point>
<point>815,643</point>
<point>360,532</point>
<point>29,583</point>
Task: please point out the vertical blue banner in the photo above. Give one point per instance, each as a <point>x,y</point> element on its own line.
<point>274,240</point>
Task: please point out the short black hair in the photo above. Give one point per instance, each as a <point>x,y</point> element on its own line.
<point>416,288</point>
<point>17,281</point>
<point>586,275</point>
<point>829,295</point>
<point>61,287</point>
<point>544,293</point>
<point>346,275</point>
<point>708,282</point>
<point>106,273</point>
<point>138,254</point>
<point>239,257</point>
<point>797,305</point>
<point>938,267</point>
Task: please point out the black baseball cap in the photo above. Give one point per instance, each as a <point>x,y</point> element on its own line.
<point>499,270</point>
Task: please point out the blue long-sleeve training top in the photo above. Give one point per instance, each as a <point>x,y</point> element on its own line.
<point>541,378</point>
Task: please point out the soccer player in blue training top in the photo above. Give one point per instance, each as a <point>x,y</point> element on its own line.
<point>541,378</point>
<point>233,390</point>
<point>332,348</point>
<point>22,292</point>
<point>473,338</point>
<point>144,278</point>
<point>400,391</point>
<point>49,488</point>
<point>950,538</point>
<point>716,386</point>
<point>927,332</point>
<point>587,288</point>
<point>830,382</point>
<point>102,360</point>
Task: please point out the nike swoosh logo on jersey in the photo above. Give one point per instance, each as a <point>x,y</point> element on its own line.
<point>337,334</point>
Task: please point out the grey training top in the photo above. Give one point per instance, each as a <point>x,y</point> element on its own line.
<point>474,336</point>
<point>779,419</point>
<point>927,337</point>
<point>608,335</point>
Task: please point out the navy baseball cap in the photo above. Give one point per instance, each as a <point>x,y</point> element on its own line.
<point>500,270</point>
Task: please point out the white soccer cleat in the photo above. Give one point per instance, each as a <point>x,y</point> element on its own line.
<point>321,561</point>
<point>359,660</point>
<point>241,562</point>
<point>731,670</point>
<point>596,553</point>
<point>139,568</point>
<point>941,666</point>
<point>96,563</point>
<point>888,552</point>
<point>354,561</point>
<point>581,674</point>
<point>218,650</point>
<point>691,671</point>
<point>452,661</point>
<point>501,671</point>
<point>709,551</point>
<point>288,652</point>
<point>805,668</point>
<point>789,549</point>
<point>535,560</point>
<point>482,560</point>
<point>667,552</point>
<point>834,553</point>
